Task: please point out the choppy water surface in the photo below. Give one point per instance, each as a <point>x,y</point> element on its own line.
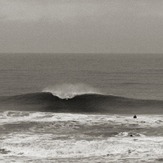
<point>61,137</point>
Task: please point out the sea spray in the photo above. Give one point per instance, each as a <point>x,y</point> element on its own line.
<point>68,91</point>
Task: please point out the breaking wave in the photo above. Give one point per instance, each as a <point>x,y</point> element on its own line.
<point>68,91</point>
<point>85,103</point>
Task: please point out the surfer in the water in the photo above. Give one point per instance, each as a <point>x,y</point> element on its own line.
<point>134,116</point>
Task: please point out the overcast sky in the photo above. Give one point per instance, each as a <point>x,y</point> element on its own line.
<point>82,26</point>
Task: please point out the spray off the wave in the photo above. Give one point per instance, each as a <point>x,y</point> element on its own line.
<point>82,99</point>
<point>69,91</point>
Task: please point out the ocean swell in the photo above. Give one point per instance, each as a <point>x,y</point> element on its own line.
<point>84,103</point>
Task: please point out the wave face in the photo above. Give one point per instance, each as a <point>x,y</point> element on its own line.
<point>85,103</point>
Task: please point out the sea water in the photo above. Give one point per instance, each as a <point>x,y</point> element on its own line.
<point>33,136</point>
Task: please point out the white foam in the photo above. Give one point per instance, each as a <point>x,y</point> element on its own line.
<point>141,121</point>
<point>43,146</point>
<point>47,145</point>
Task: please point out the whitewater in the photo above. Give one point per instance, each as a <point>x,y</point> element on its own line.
<point>63,137</point>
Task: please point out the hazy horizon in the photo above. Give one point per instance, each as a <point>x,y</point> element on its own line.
<point>92,26</point>
<point>74,53</point>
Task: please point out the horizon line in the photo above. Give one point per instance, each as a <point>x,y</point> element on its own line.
<point>78,53</point>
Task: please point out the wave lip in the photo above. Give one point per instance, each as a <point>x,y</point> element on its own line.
<point>69,91</point>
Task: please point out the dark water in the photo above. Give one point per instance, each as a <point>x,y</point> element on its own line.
<point>84,103</point>
<point>133,76</point>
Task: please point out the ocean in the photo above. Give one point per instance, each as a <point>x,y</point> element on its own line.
<point>80,108</point>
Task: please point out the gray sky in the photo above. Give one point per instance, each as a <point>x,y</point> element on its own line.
<point>83,26</point>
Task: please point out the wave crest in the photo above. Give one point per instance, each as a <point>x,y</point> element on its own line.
<point>69,91</point>
<point>84,103</point>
